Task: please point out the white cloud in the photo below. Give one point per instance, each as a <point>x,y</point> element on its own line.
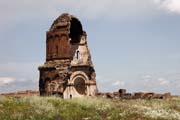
<point>110,9</point>
<point>171,5</point>
<point>18,10</point>
<point>146,77</point>
<point>23,76</point>
<point>9,84</point>
<point>163,81</point>
<point>119,83</point>
<point>6,80</point>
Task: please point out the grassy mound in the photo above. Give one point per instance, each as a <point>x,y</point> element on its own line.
<point>87,108</point>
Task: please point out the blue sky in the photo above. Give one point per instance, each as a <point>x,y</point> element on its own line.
<point>134,43</point>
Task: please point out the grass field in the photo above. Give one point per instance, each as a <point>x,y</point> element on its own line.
<point>87,108</point>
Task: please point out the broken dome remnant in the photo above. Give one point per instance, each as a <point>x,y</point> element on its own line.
<point>68,71</point>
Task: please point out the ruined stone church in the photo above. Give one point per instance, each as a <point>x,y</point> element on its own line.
<point>68,71</point>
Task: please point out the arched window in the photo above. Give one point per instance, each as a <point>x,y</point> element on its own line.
<point>77,54</point>
<point>56,50</point>
<point>75,31</point>
<point>80,85</point>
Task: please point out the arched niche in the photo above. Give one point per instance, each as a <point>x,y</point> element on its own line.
<point>76,31</point>
<point>80,85</point>
<point>79,79</point>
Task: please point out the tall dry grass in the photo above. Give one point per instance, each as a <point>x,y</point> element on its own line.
<point>89,108</point>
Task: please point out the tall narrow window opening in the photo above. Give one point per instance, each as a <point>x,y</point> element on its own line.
<point>56,50</point>
<point>78,54</point>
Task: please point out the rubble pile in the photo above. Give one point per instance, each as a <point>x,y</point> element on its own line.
<point>123,94</point>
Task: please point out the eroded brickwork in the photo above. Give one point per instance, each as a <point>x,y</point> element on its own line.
<point>68,71</point>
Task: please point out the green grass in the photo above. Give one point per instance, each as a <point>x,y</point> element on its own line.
<point>53,108</point>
